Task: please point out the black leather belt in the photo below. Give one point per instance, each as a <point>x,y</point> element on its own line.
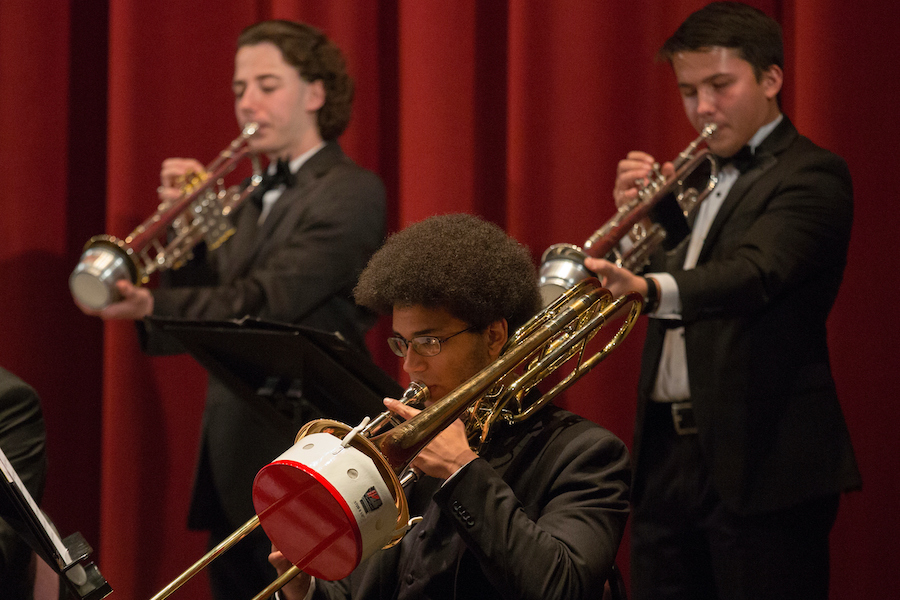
<point>683,418</point>
<point>671,323</point>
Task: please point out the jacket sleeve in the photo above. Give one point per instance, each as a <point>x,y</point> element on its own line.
<point>562,542</point>
<point>793,227</point>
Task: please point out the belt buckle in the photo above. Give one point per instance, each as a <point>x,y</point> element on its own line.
<point>683,418</point>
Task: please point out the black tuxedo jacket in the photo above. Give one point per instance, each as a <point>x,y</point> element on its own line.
<point>22,439</point>
<point>754,312</point>
<point>300,267</point>
<point>539,515</point>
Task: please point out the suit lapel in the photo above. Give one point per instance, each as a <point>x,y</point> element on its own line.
<point>234,251</point>
<point>252,238</point>
<point>288,198</point>
<point>737,192</point>
<point>765,158</point>
<point>675,257</point>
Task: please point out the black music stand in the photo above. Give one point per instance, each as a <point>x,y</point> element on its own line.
<point>281,367</point>
<point>67,557</point>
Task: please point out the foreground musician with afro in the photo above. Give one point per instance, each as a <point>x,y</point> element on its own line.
<point>536,512</point>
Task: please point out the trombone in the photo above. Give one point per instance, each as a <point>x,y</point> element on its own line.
<point>351,478</point>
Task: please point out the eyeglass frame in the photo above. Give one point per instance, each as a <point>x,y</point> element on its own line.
<point>397,341</point>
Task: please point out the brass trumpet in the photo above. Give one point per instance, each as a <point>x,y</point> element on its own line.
<point>336,496</point>
<point>200,213</point>
<point>657,216</point>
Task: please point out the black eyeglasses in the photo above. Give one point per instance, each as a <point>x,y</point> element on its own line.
<point>425,345</point>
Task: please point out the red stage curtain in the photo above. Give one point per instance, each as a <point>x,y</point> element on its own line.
<point>517,111</point>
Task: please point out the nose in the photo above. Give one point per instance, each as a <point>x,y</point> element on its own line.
<point>246,104</point>
<point>413,363</point>
<point>706,105</point>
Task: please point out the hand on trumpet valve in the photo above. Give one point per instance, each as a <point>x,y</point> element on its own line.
<point>617,280</point>
<point>632,174</point>
<point>296,588</point>
<point>448,452</point>
<point>173,175</point>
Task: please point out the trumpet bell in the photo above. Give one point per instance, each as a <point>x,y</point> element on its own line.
<point>327,505</point>
<point>562,266</point>
<point>103,263</point>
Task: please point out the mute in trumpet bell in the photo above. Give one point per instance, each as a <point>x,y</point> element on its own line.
<point>562,266</point>
<point>102,264</point>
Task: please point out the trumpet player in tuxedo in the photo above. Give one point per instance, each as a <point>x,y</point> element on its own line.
<point>300,243</point>
<point>538,510</point>
<point>741,448</point>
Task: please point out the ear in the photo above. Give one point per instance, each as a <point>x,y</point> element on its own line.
<point>315,95</point>
<point>771,80</point>
<point>497,334</point>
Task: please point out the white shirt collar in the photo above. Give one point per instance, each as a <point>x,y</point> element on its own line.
<point>763,132</point>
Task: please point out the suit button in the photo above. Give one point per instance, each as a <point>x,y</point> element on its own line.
<point>410,579</point>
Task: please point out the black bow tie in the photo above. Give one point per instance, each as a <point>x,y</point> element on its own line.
<point>281,176</point>
<point>270,181</point>
<point>742,159</point>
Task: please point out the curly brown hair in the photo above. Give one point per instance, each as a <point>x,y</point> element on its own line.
<point>316,58</point>
<point>467,266</point>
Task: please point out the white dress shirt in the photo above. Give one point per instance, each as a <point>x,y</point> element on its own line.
<point>672,383</point>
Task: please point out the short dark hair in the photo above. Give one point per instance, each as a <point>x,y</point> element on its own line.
<point>316,58</point>
<point>755,35</point>
<point>467,266</point>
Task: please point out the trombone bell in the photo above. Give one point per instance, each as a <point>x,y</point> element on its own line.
<point>328,503</point>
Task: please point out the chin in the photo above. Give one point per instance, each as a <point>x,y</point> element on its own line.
<point>722,148</point>
<point>257,146</point>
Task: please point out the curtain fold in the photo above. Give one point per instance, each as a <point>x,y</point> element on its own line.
<point>517,111</point>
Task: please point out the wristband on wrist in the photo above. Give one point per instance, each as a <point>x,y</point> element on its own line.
<point>651,299</point>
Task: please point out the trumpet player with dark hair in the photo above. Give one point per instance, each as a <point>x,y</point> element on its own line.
<point>300,244</point>
<point>741,449</point>
<point>539,510</point>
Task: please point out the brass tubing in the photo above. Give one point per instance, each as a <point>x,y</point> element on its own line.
<point>401,445</point>
<point>210,556</point>
<point>278,583</point>
<point>150,229</point>
<point>636,304</point>
<point>657,187</point>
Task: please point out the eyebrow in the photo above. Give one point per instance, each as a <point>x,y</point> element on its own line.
<point>259,78</point>
<point>706,80</point>
<point>421,333</point>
